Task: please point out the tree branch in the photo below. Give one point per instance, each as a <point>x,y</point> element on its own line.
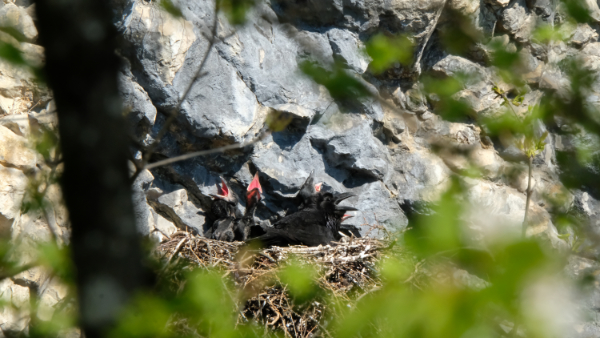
<point>207,152</point>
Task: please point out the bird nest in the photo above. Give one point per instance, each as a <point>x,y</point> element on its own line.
<point>346,271</point>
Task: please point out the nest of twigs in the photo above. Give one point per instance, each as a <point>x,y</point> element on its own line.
<point>346,271</point>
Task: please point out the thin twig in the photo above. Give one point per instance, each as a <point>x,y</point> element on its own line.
<point>177,248</point>
<point>528,200</point>
<point>207,152</point>
<point>175,111</point>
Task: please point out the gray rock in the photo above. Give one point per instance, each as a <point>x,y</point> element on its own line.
<point>357,151</point>
<point>157,44</point>
<point>544,8</point>
<point>346,48</point>
<point>141,113</point>
<point>50,297</point>
<point>518,20</point>
<point>220,105</point>
<point>585,208</point>
<point>497,211</point>
<point>163,228</point>
<point>584,272</point>
<point>143,212</point>
<point>266,56</point>
<point>418,175</point>
<point>284,161</point>
<point>176,207</point>
<point>278,154</point>
<point>415,19</point>
<point>455,65</point>
<point>582,35</point>
<point>554,78</point>
<point>378,213</point>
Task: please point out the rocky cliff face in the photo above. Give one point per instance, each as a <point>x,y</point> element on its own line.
<point>381,150</point>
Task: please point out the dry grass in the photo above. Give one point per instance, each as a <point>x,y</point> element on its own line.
<point>346,271</point>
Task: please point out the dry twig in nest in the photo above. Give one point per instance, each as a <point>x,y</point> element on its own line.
<point>346,271</point>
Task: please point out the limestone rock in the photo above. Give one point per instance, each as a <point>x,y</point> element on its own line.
<point>19,89</point>
<point>17,18</point>
<point>497,212</point>
<point>51,296</point>
<point>418,175</point>
<point>14,151</point>
<point>18,124</point>
<point>266,56</point>
<point>12,188</point>
<point>376,208</point>
<point>582,35</point>
<point>163,228</point>
<point>580,269</point>
<point>176,207</point>
<point>14,320</point>
<point>143,212</point>
<point>518,20</point>
<point>357,150</point>
<point>161,40</point>
<point>141,113</point>
<point>346,48</point>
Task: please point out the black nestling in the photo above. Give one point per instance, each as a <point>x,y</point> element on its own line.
<point>224,210</point>
<point>244,226</point>
<point>316,224</point>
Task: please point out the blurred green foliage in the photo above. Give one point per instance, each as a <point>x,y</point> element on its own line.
<point>342,85</point>
<point>386,51</point>
<point>171,8</point>
<point>236,10</point>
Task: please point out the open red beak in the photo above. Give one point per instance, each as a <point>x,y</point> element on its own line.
<point>223,191</point>
<point>318,186</point>
<point>346,216</point>
<point>253,192</point>
<point>255,184</point>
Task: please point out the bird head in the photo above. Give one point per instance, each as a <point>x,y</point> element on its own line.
<point>253,193</point>
<point>225,193</point>
<point>341,212</point>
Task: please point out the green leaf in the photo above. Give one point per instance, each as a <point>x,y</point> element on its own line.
<point>171,8</point>
<point>389,50</point>
<point>11,53</point>
<point>547,33</point>
<point>340,84</point>
<point>299,280</point>
<point>236,10</point>
<point>518,100</point>
<point>579,10</point>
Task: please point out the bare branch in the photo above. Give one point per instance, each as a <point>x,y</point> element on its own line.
<point>207,152</point>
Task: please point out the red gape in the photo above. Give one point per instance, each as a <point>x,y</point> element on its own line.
<point>223,189</point>
<point>318,186</point>
<point>255,184</point>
